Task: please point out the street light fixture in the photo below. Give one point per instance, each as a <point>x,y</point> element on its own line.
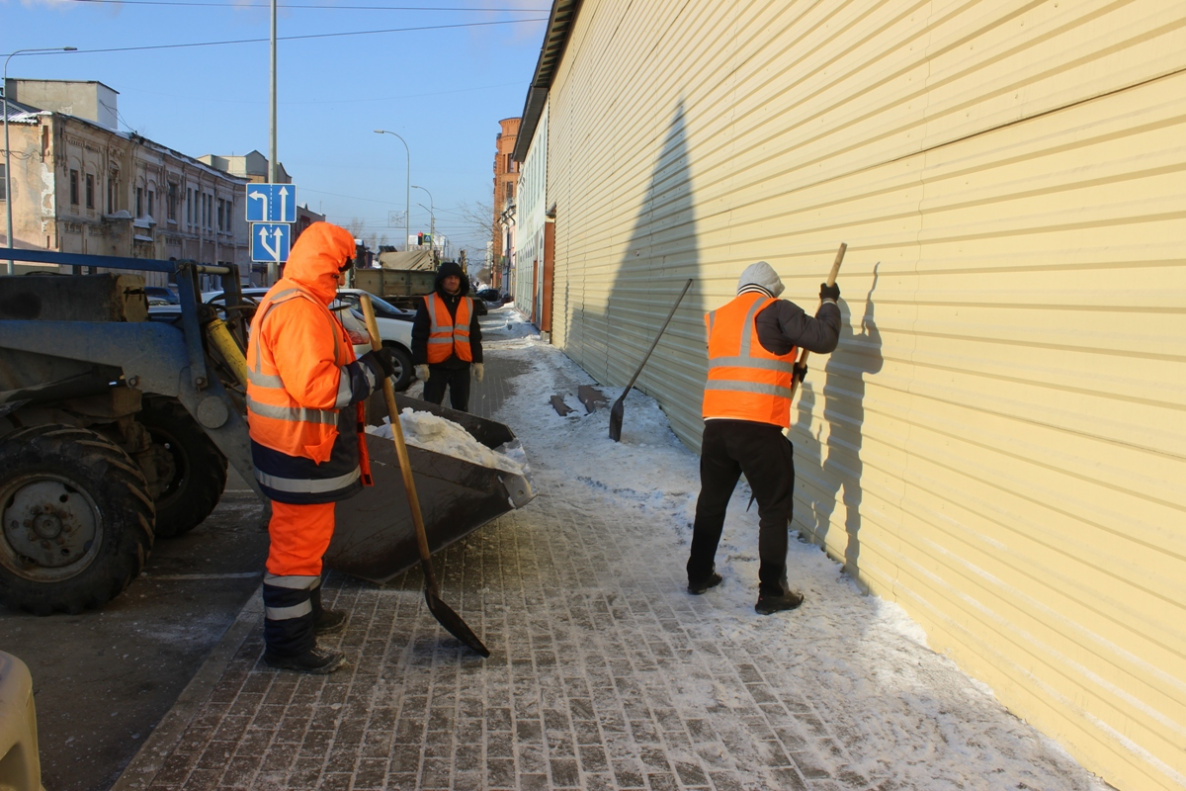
<point>432,230</point>
<point>407,185</point>
<point>7,153</point>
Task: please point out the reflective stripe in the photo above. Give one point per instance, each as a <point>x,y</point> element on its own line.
<point>307,485</point>
<point>752,362</point>
<point>746,336</point>
<point>288,613</point>
<point>295,414</point>
<point>264,380</point>
<point>737,385</point>
<point>292,581</point>
<point>345,387</point>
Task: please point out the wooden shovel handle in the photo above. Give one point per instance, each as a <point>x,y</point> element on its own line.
<point>401,448</point>
<point>803,355</point>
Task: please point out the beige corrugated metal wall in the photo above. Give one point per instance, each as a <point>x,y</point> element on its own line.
<point>1000,442</point>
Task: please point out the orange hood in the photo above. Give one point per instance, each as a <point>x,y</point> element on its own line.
<point>317,257</point>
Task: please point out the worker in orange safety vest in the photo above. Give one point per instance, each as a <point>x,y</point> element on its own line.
<point>752,345</point>
<point>305,393</point>
<point>447,339</point>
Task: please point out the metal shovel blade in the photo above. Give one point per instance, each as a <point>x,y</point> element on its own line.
<point>453,623</point>
<point>615,418</point>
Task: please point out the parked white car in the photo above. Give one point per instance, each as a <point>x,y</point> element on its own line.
<point>395,330</point>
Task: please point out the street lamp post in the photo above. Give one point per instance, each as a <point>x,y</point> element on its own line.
<point>432,228</point>
<point>407,185</point>
<point>7,153</point>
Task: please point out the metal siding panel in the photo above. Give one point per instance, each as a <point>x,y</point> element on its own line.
<point>1000,441</point>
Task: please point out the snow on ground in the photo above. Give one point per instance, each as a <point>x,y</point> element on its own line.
<point>858,658</point>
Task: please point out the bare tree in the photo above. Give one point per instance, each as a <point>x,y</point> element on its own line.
<point>478,217</point>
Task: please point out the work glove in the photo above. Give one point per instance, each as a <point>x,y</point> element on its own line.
<point>829,292</point>
<point>381,362</point>
<point>479,371</point>
<point>422,373</point>
<point>800,371</point>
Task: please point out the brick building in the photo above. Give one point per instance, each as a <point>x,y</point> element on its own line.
<point>506,177</point>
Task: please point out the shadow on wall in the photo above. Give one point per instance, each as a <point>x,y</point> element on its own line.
<point>857,356</point>
<point>660,256</point>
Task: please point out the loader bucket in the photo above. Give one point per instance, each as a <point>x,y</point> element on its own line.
<point>375,539</point>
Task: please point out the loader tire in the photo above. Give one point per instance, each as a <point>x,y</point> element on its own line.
<point>76,520</point>
<point>193,466</point>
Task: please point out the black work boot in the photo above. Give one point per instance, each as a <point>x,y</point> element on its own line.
<point>325,621</point>
<point>329,622</point>
<point>697,587</point>
<point>316,661</point>
<point>768,603</point>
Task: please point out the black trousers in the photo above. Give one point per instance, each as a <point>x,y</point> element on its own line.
<point>730,448</point>
<point>456,379</point>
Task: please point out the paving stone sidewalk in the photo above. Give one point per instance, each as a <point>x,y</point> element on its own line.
<point>597,680</point>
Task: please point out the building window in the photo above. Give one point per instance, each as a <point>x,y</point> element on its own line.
<point>139,202</point>
<point>110,195</point>
<point>171,202</point>
<point>3,185</point>
<point>151,195</point>
<point>510,190</point>
<point>90,190</point>
<point>189,207</point>
<point>220,207</point>
<point>74,187</point>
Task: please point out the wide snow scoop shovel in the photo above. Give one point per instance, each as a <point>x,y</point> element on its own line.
<point>615,413</point>
<point>441,611</point>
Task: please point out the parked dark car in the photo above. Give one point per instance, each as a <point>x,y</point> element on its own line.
<point>493,297</point>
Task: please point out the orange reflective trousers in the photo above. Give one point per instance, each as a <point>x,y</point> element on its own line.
<point>300,535</point>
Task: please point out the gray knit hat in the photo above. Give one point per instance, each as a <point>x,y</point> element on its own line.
<point>760,277</point>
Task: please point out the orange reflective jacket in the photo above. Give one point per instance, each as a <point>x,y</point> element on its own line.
<point>745,382</point>
<point>301,401</point>
<point>302,422</point>
<point>449,334</point>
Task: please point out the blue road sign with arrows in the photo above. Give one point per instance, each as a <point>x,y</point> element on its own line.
<point>271,203</point>
<point>270,241</point>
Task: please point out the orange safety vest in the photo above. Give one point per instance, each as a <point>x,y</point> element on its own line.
<point>745,382</point>
<point>277,420</point>
<point>448,334</point>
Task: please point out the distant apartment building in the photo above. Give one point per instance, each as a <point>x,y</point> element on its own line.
<point>506,178</point>
<point>81,186</point>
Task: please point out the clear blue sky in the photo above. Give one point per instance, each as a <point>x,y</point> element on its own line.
<point>193,75</point>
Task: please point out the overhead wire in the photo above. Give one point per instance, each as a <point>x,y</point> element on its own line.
<point>306,36</point>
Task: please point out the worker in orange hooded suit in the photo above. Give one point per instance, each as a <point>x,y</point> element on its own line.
<point>305,416</point>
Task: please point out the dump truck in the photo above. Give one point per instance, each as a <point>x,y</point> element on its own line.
<point>401,278</point>
<point>117,428</point>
